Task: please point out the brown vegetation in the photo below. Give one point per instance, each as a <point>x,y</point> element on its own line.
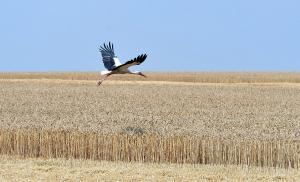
<point>14,168</point>
<point>251,124</point>
<point>149,148</point>
<point>246,112</point>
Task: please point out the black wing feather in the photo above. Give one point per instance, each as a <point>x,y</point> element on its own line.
<point>136,61</point>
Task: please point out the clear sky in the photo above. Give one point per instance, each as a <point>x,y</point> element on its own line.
<point>190,35</point>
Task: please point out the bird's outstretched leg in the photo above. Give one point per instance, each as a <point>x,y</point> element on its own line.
<point>103,78</point>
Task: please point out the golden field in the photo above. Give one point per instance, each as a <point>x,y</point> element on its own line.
<point>255,111</point>
<point>31,169</point>
<point>201,77</point>
<point>245,119</point>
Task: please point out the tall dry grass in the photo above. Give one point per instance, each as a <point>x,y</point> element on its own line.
<point>204,77</point>
<point>248,124</point>
<point>149,148</point>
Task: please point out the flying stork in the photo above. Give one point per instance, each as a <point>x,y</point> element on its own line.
<point>113,65</point>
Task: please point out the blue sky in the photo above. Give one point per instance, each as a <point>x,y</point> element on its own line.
<point>256,35</point>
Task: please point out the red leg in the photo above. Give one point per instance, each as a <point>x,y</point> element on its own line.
<point>103,78</point>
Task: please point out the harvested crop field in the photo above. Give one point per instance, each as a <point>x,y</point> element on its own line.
<point>18,169</point>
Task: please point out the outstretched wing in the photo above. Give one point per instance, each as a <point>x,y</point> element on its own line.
<point>136,61</point>
<point>108,56</point>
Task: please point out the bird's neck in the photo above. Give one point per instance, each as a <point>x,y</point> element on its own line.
<point>135,72</point>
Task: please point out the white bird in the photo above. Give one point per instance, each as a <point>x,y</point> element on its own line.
<point>113,65</point>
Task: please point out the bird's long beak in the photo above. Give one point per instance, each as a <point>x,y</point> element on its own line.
<point>143,75</point>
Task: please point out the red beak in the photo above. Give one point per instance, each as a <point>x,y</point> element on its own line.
<point>143,75</point>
